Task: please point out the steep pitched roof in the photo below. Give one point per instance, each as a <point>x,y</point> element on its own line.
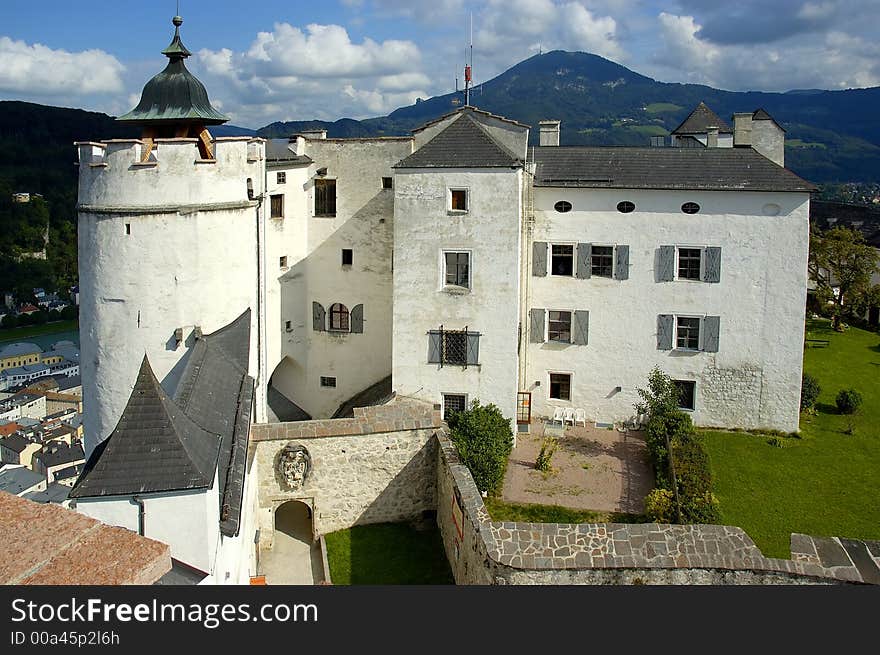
<point>154,447</point>
<point>700,120</point>
<point>762,115</point>
<point>699,169</point>
<point>471,110</point>
<point>463,144</point>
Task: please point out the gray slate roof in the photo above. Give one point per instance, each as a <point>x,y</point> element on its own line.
<point>18,479</point>
<point>700,120</point>
<point>162,444</point>
<point>19,349</point>
<point>463,144</point>
<point>55,493</point>
<point>278,151</point>
<point>16,443</point>
<point>698,169</point>
<point>154,447</point>
<point>55,453</point>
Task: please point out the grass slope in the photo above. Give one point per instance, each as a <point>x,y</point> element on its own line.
<point>387,553</point>
<point>823,484</point>
<point>502,511</point>
<point>18,334</point>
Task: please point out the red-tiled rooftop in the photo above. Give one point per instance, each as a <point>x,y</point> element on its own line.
<point>49,544</point>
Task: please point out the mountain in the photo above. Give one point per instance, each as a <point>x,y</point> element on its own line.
<point>232,130</point>
<point>832,136</point>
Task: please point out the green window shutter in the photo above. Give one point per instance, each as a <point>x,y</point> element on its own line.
<point>581,328</point>
<point>539,258</point>
<point>357,319</point>
<point>537,331</point>
<point>666,264</point>
<point>583,260</point>
<point>621,263</point>
<point>713,265</point>
<point>434,346</point>
<point>473,348</point>
<point>318,317</point>
<point>711,328</point>
<point>664,332</point>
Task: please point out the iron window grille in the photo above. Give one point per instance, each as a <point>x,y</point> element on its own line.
<point>328,382</point>
<point>453,403</point>
<point>453,347</point>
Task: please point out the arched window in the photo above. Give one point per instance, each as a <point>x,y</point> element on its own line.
<point>338,318</point>
<point>626,206</point>
<point>562,206</point>
<point>690,208</point>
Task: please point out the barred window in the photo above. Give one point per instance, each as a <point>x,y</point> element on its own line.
<point>559,327</point>
<point>454,347</point>
<point>338,318</point>
<point>689,263</point>
<point>453,402</point>
<point>602,261</point>
<point>688,333</point>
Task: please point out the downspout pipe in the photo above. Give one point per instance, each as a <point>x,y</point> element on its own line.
<point>137,500</point>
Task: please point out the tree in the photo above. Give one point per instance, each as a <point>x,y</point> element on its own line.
<point>841,257</point>
<point>483,439</point>
<point>662,396</point>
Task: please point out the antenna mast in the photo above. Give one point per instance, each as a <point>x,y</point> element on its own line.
<point>468,68</point>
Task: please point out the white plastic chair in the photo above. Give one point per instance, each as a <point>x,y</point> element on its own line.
<point>568,416</point>
<point>580,416</point>
<point>559,415</point>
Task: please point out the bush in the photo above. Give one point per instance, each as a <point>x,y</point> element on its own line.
<point>810,391</point>
<point>674,424</point>
<point>545,455</point>
<point>483,439</point>
<point>660,398</point>
<point>660,506</point>
<point>848,401</point>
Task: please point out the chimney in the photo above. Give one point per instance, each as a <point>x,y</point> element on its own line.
<point>768,137</point>
<point>712,137</point>
<point>549,132</point>
<point>297,144</point>
<point>314,134</point>
<point>742,129</point>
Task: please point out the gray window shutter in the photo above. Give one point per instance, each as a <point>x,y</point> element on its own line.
<point>713,265</point>
<point>537,331</point>
<point>666,270</point>
<point>664,332</point>
<point>539,258</point>
<point>581,328</point>
<point>318,317</point>
<point>473,348</point>
<point>621,264</point>
<point>711,328</point>
<point>583,260</point>
<point>434,347</point>
<point>357,319</point>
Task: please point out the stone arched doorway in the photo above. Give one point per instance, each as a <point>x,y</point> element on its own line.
<point>294,558</point>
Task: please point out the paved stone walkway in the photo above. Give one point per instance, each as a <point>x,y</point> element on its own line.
<point>293,558</point>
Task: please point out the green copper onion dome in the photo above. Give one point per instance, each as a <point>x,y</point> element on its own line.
<point>174,95</point>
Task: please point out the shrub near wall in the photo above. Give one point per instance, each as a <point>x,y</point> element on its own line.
<point>483,439</point>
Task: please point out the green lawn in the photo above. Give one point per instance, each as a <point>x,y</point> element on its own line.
<point>502,511</point>
<point>825,483</point>
<point>387,553</point>
<point>19,333</point>
<point>662,107</point>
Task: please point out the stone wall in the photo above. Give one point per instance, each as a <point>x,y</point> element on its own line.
<point>734,394</point>
<point>376,467</point>
<point>482,551</point>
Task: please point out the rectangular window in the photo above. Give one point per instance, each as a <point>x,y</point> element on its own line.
<point>281,178</point>
<point>689,263</point>
<point>287,326</point>
<point>128,228</point>
<point>560,386</point>
<point>347,256</point>
<point>386,183</point>
<point>457,265</point>
<point>602,261</point>
<point>458,200</point>
<point>277,205</point>
<point>328,382</point>
<point>559,326</point>
<point>282,262</point>
<point>687,333</point>
<point>562,260</point>
<point>454,347</point>
<point>325,197</point>
<point>686,393</point>
<point>453,402</point>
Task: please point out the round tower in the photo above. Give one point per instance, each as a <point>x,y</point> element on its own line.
<point>170,242</point>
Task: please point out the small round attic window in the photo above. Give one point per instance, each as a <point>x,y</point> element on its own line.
<point>563,206</point>
<point>626,207</point>
<point>772,209</point>
<point>690,208</point>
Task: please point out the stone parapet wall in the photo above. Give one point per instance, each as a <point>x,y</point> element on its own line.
<point>377,467</point>
<point>482,551</point>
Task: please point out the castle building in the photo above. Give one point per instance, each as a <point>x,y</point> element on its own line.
<point>234,281</point>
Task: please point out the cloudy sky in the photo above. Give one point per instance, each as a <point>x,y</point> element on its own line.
<point>290,60</point>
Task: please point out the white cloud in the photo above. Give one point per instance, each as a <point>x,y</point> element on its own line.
<point>36,70</point>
